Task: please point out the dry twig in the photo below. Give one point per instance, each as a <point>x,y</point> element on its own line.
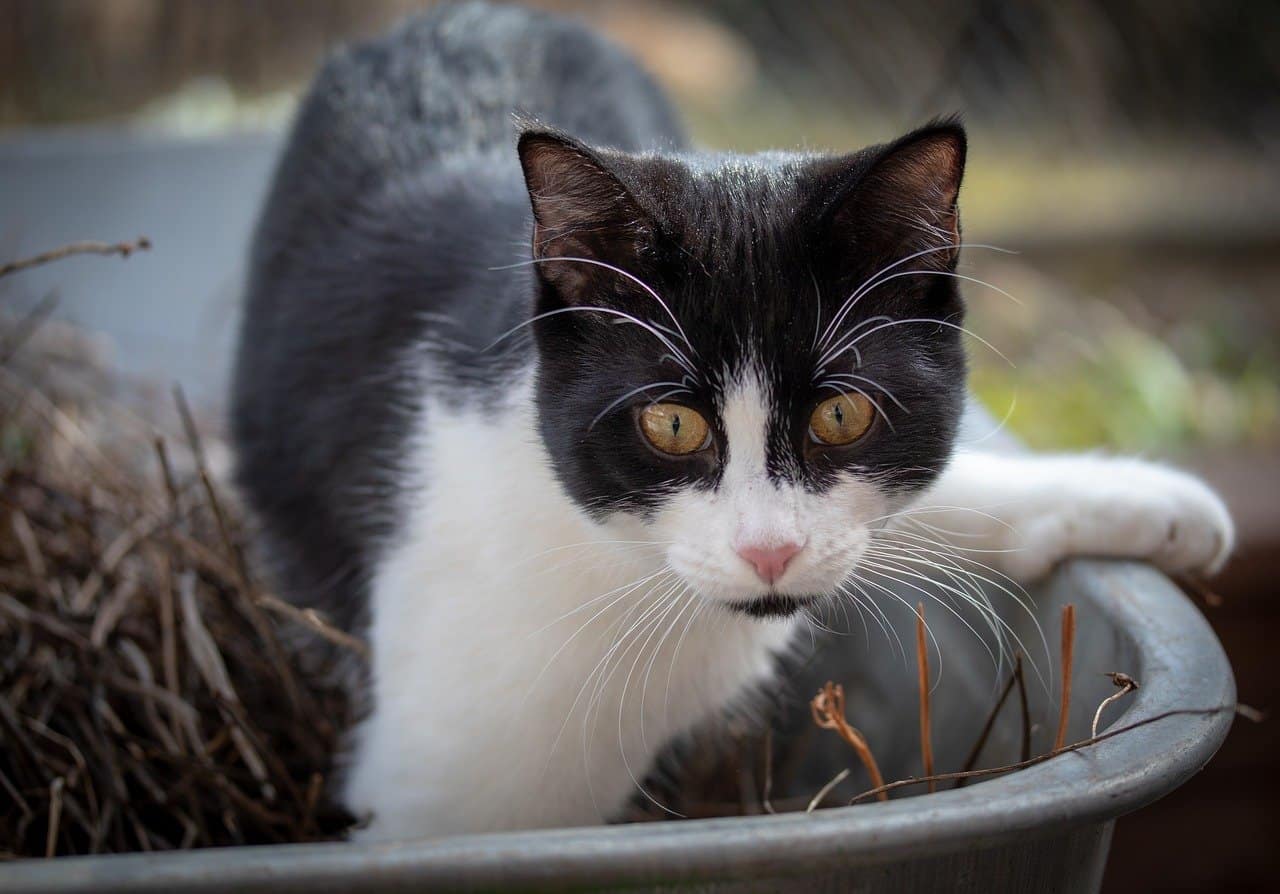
<point>922,667</point>
<point>1068,655</point>
<point>826,790</point>
<point>123,249</point>
<point>767,792</point>
<point>1025,753</point>
<point>828,713</point>
<point>881,791</point>
<point>1126,683</point>
<point>976,751</point>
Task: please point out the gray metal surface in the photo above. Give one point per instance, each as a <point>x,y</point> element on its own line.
<point>172,312</point>
<point>1046,828</point>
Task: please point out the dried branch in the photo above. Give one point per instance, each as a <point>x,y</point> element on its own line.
<point>123,249</point>
<point>767,791</point>
<point>828,713</point>
<point>975,752</point>
<point>1126,683</point>
<point>56,789</point>
<point>313,621</point>
<point>246,588</point>
<point>1025,752</point>
<point>826,790</point>
<point>1068,655</point>
<point>922,667</point>
<point>881,790</point>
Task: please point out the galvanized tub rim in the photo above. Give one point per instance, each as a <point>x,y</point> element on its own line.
<point>1073,790</point>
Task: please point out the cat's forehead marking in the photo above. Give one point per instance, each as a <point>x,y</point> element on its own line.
<point>745,415</point>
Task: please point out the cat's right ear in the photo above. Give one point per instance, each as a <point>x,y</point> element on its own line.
<point>903,199</point>
<point>582,214</point>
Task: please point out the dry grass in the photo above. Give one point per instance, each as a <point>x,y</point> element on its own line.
<point>148,697</point>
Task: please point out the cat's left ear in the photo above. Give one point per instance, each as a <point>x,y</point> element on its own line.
<point>581,210</point>
<point>905,200</point>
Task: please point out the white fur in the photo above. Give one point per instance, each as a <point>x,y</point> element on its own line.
<point>480,694</point>
<point>1030,512</point>
<point>528,663</point>
<point>749,507</point>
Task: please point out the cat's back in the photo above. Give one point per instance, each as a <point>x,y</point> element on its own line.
<point>447,82</point>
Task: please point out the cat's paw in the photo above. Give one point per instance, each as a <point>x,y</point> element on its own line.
<point>1120,509</point>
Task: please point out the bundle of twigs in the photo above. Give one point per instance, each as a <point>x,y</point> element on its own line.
<point>149,694</point>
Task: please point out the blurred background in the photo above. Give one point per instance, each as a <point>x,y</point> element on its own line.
<point>1127,152</point>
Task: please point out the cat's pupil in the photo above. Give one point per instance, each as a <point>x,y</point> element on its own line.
<point>675,425</point>
<point>839,414</point>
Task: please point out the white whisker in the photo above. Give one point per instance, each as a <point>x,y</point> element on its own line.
<point>618,270</point>
<point>872,281</point>
<point>875,405</point>
<point>838,350</point>
<point>872,382</point>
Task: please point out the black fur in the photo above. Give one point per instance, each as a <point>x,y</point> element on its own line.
<point>401,191</point>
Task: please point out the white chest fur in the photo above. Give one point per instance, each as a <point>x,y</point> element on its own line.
<point>527,665</point>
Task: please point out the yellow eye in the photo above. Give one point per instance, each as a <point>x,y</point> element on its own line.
<point>841,420</point>
<point>674,429</point>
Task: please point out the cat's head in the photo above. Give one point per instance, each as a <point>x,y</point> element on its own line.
<point>751,360</point>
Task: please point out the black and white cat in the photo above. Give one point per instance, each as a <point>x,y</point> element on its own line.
<point>573,427</point>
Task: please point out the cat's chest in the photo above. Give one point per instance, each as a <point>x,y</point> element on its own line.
<point>510,632</point>
<point>493,556</point>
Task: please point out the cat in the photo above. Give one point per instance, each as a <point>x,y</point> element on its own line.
<point>574,422</point>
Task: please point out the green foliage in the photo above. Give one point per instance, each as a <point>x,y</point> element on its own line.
<point>1106,381</point>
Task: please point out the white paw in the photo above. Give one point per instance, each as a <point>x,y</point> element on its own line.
<point>1120,509</point>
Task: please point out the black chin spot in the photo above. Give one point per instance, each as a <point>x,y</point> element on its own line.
<point>771,605</point>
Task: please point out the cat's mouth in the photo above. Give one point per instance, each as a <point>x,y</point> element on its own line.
<point>771,605</point>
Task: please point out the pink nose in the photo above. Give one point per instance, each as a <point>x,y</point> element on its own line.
<point>770,561</point>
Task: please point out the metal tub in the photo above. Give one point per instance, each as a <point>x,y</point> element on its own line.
<point>1045,828</point>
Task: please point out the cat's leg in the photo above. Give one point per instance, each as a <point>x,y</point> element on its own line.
<point>1023,513</point>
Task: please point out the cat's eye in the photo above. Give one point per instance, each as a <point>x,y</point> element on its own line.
<point>675,429</point>
<point>841,420</point>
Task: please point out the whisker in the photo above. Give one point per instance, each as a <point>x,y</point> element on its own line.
<point>995,431</point>
<point>644,689</point>
<point>581,607</point>
<point>677,387</point>
<point>885,567</point>
<point>628,590</point>
<point>599,666</point>
<point>877,613</point>
<point>838,390</point>
<point>817,293</point>
<point>673,601</point>
<point>666,603</point>
<point>859,609</point>
<point>618,270</point>
<point>621,645</point>
<point>676,353</point>
<point>912,511</point>
<point>911,608</point>
<point>872,281</point>
<point>872,382</point>
<point>944,323</point>
<point>675,656</point>
<point>938,559</point>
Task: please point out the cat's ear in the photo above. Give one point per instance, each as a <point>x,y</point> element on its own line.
<point>906,201</point>
<point>580,210</point>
